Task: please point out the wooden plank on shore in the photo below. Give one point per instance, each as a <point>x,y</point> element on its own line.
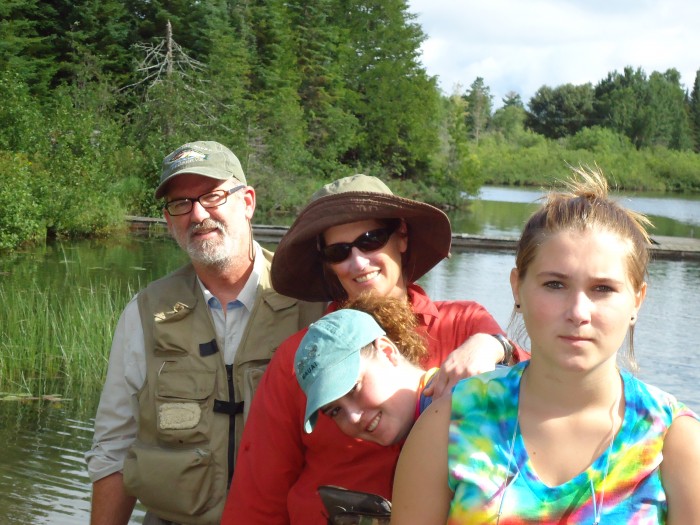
<point>675,248</point>
<point>664,247</point>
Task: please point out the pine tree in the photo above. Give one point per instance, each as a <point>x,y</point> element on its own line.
<point>694,111</point>
<point>27,29</point>
<point>331,128</point>
<point>479,102</point>
<point>389,92</point>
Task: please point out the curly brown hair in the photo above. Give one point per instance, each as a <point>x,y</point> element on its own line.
<point>397,319</point>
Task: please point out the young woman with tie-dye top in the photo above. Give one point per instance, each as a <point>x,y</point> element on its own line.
<point>568,437</point>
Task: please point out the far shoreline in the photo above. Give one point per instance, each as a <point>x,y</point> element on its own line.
<point>664,248</point>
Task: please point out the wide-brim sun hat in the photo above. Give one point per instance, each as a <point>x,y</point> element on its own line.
<point>297,267</point>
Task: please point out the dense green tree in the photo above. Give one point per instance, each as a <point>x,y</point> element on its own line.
<point>599,140</point>
<point>479,100</point>
<point>88,36</point>
<point>513,99</point>
<point>20,115</point>
<point>331,127</point>
<point>694,111</point>
<point>280,131</point>
<point>459,174</point>
<point>27,30</point>
<point>99,35</point>
<point>190,21</point>
<point>85,161</point>
<point>228,106</point>
<point>651,112</point>
<point>509,121</point>
<point>671,127</point>
<point>561,111</point>
<point>389,92</point>
<point>21,215</point>
<point>623,102</point>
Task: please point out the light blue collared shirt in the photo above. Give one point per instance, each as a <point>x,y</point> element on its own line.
<point>230,325</point>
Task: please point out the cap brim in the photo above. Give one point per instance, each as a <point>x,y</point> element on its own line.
<point>333,383</point>
<point>203,171</point>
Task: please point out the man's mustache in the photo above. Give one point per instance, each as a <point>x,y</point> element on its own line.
<point>206,224</point>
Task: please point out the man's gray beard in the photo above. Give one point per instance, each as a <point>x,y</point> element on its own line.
<point>213,252</point>
<point>216,253</point>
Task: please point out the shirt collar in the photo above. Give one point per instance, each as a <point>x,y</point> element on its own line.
<point>422,306</point>
<point>425,309</point>
<point>250,290</point>
<point>247,295</point>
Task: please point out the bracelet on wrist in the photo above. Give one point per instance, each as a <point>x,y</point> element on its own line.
<point>507,349</point>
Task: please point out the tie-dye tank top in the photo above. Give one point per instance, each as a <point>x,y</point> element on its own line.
<point>484,416</point>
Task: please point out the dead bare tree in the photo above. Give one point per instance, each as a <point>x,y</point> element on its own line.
<point>165,68</point>
<point>165,58</point>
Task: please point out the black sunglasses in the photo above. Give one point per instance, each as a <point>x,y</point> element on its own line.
<point>367,242</point>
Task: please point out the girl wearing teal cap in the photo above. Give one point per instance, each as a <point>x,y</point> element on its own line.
<point>358,366</point>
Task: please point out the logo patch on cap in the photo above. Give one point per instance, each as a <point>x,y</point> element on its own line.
<point>189,154</point>
<point>308,363</point>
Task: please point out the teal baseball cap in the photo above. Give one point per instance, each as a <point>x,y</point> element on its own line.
<point>327,362</point>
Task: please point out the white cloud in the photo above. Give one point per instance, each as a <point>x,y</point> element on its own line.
<point>520,45</point>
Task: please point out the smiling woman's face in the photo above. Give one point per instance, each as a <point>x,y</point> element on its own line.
<point>381,406</point>
<point>378,271</point>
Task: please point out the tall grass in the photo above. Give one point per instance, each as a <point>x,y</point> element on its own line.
<point>56,341</point>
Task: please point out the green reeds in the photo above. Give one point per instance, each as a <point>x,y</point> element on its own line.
<point>56,341</point>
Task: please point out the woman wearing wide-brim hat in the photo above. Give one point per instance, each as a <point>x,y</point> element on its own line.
<point>299,269</point>
<point>354,236</point>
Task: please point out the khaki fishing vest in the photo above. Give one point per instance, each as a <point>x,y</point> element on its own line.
<point>178,465</point>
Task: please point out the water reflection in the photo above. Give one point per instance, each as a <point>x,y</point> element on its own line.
<point>672,215</point>
<point>42,469</point>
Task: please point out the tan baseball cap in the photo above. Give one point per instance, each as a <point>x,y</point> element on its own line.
<point>206,158</point>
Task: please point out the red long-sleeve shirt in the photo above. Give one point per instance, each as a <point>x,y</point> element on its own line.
<point>280,467</point>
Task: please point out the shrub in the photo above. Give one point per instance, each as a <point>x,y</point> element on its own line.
<point>20,214</point>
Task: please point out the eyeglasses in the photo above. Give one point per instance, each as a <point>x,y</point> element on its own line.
<point>207,200</point>
<point>367,242</point>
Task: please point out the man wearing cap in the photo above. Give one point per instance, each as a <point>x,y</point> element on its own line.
<point>354,236</point>
<point>188,352</point>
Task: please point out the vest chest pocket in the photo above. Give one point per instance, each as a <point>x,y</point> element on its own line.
<point>184,399</point>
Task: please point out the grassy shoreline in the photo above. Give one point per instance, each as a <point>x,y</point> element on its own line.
<point>55,343</point>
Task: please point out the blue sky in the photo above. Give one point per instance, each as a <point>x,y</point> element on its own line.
<point>520,45</point>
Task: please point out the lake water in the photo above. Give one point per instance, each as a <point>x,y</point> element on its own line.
<point>42,472</point>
